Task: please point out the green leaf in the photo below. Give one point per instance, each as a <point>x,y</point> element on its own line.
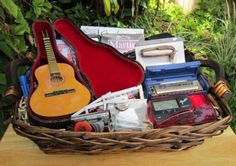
<point>65,1</point>
<point>2,79</point>
<point>37,11</point>
<point>15,11</point>
<point>152,4</point>
<point>7,50</point>
<point>116,6</point>
<point>29,15</point>
<point>107,7</point>
<point>2,14</point>
<point>38,2</point>
<point>23,25</point>
<point>20,29</point>
<point>20,44</point>
<point>48,5</point>
<point>41,7</point>
<point>10,6</point>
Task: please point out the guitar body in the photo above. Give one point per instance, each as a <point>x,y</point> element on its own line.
<point>57,99</point>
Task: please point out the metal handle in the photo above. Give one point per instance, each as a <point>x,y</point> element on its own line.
<point>159,51</point>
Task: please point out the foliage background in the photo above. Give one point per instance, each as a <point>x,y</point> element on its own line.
<point>209,31</point>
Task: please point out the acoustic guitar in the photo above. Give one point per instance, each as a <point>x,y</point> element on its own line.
<point>58,92</point>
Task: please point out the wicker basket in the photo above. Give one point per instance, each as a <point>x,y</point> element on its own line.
<point>174,138</point>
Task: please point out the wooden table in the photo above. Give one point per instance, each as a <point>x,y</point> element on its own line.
<point>217,151</point>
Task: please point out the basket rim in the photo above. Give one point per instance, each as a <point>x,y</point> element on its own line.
<point>224,120</point>
<point>172,138</point>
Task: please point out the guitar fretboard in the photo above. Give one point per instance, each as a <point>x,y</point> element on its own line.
<point>52,63</point>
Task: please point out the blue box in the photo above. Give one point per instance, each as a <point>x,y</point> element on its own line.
<point>188,71</point>
<point>24,83</point>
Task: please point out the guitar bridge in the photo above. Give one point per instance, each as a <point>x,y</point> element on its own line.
<point>59,92</point>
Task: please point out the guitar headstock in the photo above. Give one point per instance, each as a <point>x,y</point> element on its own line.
<point>44,33</point>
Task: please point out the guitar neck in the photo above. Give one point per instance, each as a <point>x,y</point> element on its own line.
<point>52,63</point>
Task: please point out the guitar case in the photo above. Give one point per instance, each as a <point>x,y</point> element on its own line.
<point>38,27</point>
<point>104,67</point>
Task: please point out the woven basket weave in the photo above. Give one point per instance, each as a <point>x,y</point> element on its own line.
<point>174,138</point>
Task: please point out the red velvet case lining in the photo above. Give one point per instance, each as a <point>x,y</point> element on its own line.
<point>105,68</point>
<point>38,27</point>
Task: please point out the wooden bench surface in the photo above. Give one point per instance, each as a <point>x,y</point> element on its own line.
<point>217,151</point>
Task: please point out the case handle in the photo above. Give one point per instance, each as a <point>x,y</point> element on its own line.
<point>220,87</point>
<point>159,51</point>
<point>12,92</point>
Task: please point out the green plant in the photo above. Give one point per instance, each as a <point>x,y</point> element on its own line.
<point>152,21</point>
<point>197,28</point>
<point>223,50</point>
<point>16,16</point>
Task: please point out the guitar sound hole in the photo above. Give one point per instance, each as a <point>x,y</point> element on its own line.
<point>56,77</point>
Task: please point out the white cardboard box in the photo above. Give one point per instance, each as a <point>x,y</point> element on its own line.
<point>176,43</point>
<point>123,39</point>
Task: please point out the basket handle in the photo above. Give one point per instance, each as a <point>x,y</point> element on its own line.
<point>12,92</point>
<point>220,87</point>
